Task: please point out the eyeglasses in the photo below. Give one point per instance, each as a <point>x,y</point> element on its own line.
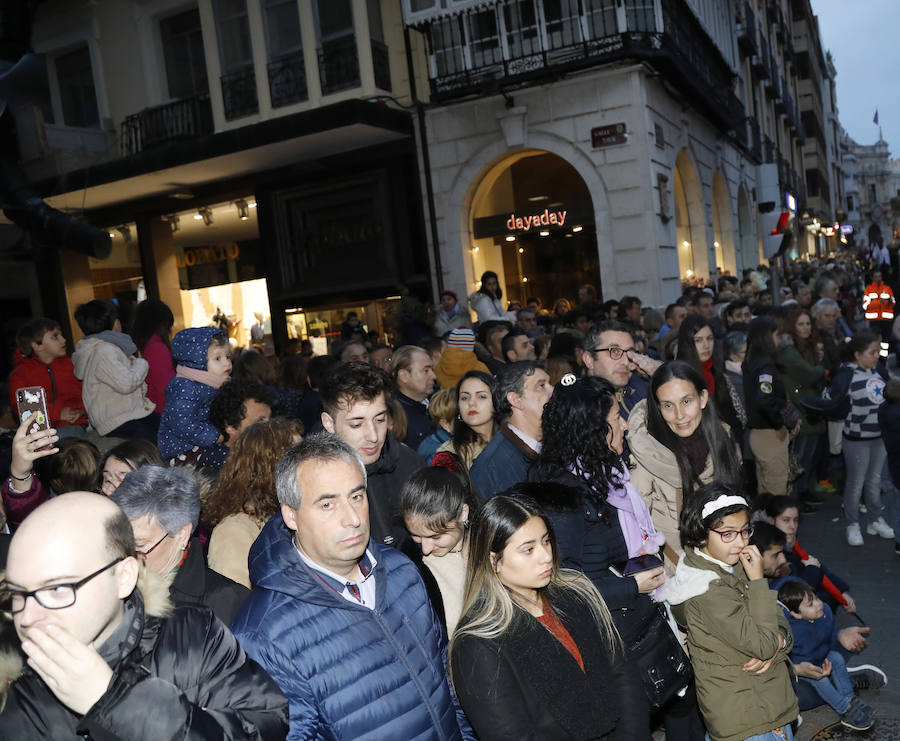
<point>144,554</point>
<point>728,536</point>
<point>614,352</point>
<point>54,597</point>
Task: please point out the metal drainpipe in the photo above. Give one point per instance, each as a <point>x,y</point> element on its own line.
<point>426,164</point>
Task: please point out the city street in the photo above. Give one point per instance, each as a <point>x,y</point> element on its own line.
<point>872,572</point>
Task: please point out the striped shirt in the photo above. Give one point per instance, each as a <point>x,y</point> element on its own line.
<point>866,394</point>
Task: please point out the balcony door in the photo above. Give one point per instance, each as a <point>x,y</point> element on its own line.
<point>182,44</point>
<point>338,56</point>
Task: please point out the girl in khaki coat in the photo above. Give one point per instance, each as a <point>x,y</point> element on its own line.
<point>677,443</point>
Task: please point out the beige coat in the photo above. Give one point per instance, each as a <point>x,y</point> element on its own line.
<point>229,547</point>
<point>656,476</point>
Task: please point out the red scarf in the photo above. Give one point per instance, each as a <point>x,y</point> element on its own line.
<point>707,368</point>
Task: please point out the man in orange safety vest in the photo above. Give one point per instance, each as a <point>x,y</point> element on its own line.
<point>878,304</point>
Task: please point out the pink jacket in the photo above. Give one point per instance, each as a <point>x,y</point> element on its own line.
<point>162,370</point>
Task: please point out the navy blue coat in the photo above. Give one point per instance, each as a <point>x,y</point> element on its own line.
<point>505,462</point>
<point>185,419</point>
<point>348,672</point>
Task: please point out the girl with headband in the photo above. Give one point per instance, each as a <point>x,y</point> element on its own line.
<point>738,637</point>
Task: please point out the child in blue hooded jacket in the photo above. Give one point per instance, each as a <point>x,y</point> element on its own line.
<point>203,363</point>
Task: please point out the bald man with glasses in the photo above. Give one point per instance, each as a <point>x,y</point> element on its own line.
<point>609,353</point>
<point>107,655</point>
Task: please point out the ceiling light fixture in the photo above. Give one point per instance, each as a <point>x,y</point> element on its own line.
<point>242,207</point>
<point>510,238</point>
<point>206,214</point>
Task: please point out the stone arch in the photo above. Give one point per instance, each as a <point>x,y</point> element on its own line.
<point>723,228</point>
<point>690,220</point>
<point>487,162</point>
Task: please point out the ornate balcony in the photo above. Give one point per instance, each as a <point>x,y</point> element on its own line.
<point>680,49</point>
<point>239,93</point>
<point>339,65</point>
<point>287,79</point>
<point>181,119</point>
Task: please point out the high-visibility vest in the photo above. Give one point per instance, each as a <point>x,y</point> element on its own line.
<point>878,302</point>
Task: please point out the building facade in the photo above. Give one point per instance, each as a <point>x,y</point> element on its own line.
<point>664,138</point>
<point>872,183</point>
<point>247,157</point>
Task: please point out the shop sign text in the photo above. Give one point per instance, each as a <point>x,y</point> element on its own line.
<point>547,218</point>
<point>604,136</point>
<point>206,255</point>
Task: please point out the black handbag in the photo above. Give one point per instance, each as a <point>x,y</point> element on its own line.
<point>662,664</point>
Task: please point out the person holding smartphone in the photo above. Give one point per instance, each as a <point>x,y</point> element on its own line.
<point>22,491</point>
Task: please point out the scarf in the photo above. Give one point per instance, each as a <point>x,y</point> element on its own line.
<point>634,517</point>
<point>708,376</point>
<point>200,376</point>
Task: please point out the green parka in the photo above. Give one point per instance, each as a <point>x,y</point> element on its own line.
<point>729,620</point>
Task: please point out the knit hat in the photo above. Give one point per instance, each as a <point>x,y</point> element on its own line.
<point>464,339</point>
<point>449,293</point>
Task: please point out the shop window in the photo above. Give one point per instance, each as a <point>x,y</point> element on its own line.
<point>76,88</point>
<point>182,43</point>
<point>236,57</point>
<point>338,55</point>
<point>601,18</point>
<point>286,67</point>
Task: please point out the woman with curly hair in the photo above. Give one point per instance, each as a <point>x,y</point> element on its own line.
<point>244,498</point>
<point>583,484</point>
<point>475,422</point>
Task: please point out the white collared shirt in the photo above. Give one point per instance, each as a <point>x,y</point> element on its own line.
<point>365,585</point>
<point>535,445</point>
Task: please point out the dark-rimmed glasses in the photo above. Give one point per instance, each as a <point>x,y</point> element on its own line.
<point>53,597</point>
<point>615,352</point>
<point>144,554</point>
<point>728,536</point>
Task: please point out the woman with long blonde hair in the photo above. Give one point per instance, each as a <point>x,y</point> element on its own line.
<point>536,655</point>
<point>244,499</point>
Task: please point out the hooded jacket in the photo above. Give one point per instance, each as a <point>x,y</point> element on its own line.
<point>487,308</point>
<point>455,362</point>
<point>384,480</point>
<point>185,419</point>
<point>349,672</point>
<point>176,674</point>
<point>729,620</point>
<point>113,388</point>
<point>58,381</point>
<point>657,477</point>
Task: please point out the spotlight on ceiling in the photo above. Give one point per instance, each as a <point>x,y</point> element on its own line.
<point>242,209</point>
<point>206,214</point>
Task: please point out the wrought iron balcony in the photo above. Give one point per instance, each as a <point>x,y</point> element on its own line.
<point>680,49</point>
<point>239,93</point>
<point>381,65</point>
<point>287,79</point>
<point>338,65</point>
<point>746,30</point>
<point>180,119</point>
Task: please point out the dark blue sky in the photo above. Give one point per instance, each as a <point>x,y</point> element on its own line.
<point>864,41</point>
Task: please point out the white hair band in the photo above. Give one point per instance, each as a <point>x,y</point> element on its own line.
<point>726,500</point>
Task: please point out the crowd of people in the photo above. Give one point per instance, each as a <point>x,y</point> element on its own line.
<point>575,523</point>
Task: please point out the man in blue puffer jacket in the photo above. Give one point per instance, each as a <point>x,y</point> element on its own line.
<point>342,623</point>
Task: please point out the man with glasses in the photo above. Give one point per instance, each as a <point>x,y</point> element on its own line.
<point>107,656</point>
<point>609,353</point>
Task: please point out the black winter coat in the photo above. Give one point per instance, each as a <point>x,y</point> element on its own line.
<point>589,539</point>
<point>526,686</point>
<point>386,478</point>
<point>766,395</point>
<point>197,584</point>
<point>183,677</point>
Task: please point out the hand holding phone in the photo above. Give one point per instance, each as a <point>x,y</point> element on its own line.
<point>32,403</point>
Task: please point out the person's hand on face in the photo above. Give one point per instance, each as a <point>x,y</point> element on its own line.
<point>753,564</point>
<point>73,671</point>
<point>644,363</point>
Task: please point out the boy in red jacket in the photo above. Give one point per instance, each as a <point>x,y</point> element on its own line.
<point>41,360</point>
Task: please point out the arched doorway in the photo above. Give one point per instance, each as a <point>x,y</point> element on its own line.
<point>723,231</point>
<point>532,223</point>
<point>689,220</point>
<point>749,248</point>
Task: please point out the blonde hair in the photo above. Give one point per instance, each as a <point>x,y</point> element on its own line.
<point>442,406</point>
<point>488,607</point>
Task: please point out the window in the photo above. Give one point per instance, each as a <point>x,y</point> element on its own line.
<point>338,57</point>
<point>484,38</point>
<point>236,58</point>
<point>641,15</point>
<point>872,199</point>
<point>849,203</point>
<point>284,45</point>
<point>447,46</point>
<point>380,58</point>
<point>182,43</point>
<point>601,18</point>
<point>561,23</point>
<point>76,88</point>
<point>522,37</point>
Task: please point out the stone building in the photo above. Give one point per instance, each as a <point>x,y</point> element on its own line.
<point>667,133</point>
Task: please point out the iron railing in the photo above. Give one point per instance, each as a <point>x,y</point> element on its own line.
<point>181,119</point>
<point>338,65</point>
<point>239,93</point>
<point>287,79</point>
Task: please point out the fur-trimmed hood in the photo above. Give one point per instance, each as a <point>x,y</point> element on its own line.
<point>693,575</point>
<point>154,592</point>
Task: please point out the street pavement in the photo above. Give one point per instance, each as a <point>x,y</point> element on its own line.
<point>873,572</point>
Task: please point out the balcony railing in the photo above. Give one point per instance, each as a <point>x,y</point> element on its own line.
<point>239,93</point>
<point>181,119</point>
<point>381,65</point>
<point>287,79</point>
<point>679,48</point>
<point>338,65</point>
<point>746,30</point>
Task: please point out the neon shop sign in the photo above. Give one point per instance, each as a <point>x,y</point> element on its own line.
<point>546,218</point>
